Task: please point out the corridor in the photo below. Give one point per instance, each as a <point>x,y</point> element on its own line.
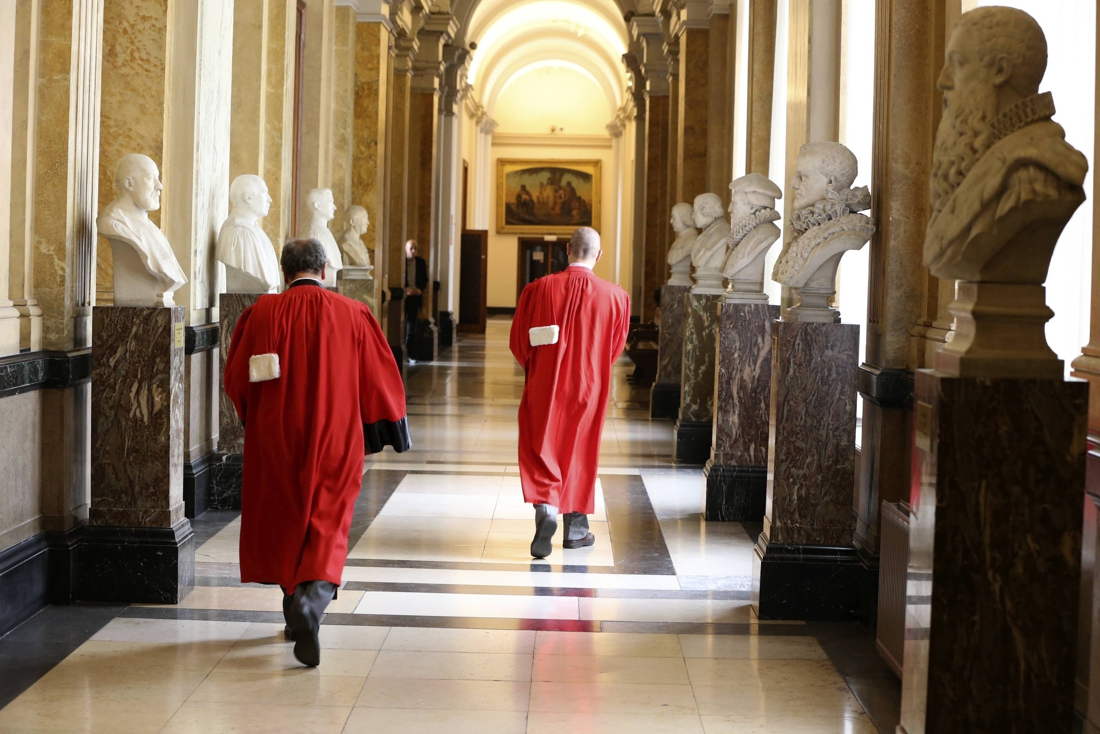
<point>444,623</point>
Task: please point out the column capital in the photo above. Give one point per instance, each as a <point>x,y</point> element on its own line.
<point>370,11</point>
<point>649,31</point>
<point>695,14</point>
<point>455,87</point>
<point>403,49</point>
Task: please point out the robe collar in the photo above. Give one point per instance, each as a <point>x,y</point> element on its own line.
<point>586,266</point>
<point>305,281</point>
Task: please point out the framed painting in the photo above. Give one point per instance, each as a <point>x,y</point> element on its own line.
<point>547,196</point>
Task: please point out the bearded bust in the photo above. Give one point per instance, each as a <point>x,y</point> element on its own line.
<point>1004,180</point>
<point>679,255</point>
<point>752,233</point>
<point>827,225</point>
<point>709,253</point>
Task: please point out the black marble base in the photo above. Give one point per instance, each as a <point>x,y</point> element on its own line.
<point>446,326</point>
<point>664,401</point>
<point>424,344</point>
<point>196,485</point>
<point>692,442</point>
<point>736,493</point>
<point>63,569</point>
<point>224,486</point>
<point>23,585</point>
<point>806,582</point>
<point>868,587</point>
<point>136,565</point>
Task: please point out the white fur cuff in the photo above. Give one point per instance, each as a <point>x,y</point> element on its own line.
<point>262,367</point>
<point>543,335</point>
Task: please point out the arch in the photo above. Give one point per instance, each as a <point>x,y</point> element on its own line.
<point>469,12</point>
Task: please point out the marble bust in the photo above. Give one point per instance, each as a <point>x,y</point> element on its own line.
<point>357,254</point>
<point>322,209</point>
<point>243,247</point>
<point>752,233</point>
<point>827,226</point>
<point>679,255</point>
<point>146,272</point>
<point>1004,184</point>
<point>709,253</point>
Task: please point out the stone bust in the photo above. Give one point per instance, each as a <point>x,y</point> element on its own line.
<point>352,245</point>
<point>146,272</point>
<point>679,255</point>
<point>1004,184</point>
<point>243,247</point>
<point>752,233</point>
<point>827,226</point>
<point>322,209</point>
<point>711,245</point>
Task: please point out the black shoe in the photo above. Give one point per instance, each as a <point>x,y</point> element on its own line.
<point>309,602</point>
<point>545,527</point>
<point>584,542</point>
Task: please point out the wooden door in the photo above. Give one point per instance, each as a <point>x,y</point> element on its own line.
<point>473,281</point>
<point>539,257</point>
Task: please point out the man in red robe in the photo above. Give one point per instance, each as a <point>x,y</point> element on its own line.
<point>569,329</point>
<point>314,382</point>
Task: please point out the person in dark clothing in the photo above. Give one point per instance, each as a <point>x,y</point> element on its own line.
<point>416,280</point>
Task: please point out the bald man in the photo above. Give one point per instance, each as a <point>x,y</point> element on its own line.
<point>569,329</point>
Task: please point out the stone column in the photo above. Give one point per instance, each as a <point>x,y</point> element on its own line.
<point>650,32</point>
<point>448,220</point>
<point>719,101</point>
<point>762,28</point>
<point>910,46</point>
<point>690,27</point>
<point>397,227</point>
<point>278,170</point>
<point>672,51</point>
<point>315,118</point>
<point>343,114</point>
<point>64,44</point>
<point>25,24</point>
<point>368,169</point>
<point>9,316</point>
<point>1087,367</point>
<point>633,63</point>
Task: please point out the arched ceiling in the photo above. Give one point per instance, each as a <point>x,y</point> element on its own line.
<point>512,35</point>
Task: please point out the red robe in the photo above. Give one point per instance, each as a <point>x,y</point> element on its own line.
<point>304,431</point>
<point>567,384</point>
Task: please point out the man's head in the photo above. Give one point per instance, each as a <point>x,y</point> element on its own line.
<point>136,176</point>
<point>707,210</point>
<point>584,246</point>
<point>410,249</point>
<point>249,193</point>
<point>303,258</point>
<point>682,217</point>
<point>321,202</point>
<point>822,167</point>
<point>751,193</point>
<point>358,219</point>
<point>996,57</point>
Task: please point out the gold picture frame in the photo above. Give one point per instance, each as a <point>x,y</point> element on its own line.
<point>537,196</point>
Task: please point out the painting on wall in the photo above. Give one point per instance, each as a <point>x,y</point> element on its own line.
<point>547,196</point>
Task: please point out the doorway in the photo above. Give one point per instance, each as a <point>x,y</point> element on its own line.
<point>473,281</point>
<point>538,257</point>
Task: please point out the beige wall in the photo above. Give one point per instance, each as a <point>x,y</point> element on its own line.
<point>20,465</point>
<point>558,97</point>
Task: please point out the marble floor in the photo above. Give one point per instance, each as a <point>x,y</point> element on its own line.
<point>445,624</point>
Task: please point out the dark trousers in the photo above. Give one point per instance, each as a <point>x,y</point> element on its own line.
<point>413,305</point>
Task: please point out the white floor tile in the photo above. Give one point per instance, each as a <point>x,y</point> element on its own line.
<point>468,605</point>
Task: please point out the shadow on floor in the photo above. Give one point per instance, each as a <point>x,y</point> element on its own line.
<point>851,648</point>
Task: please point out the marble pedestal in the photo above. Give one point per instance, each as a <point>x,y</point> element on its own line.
<point>737,472</point>
<point>447,326</point>
<point>805,566</point>
<point>664,396</point>
<point>694,430</point>
<point>225,473</point>
<point>991,626</point>
<point>358,284</point>
<point>138,546</point>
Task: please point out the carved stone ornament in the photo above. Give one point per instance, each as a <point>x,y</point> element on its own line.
<point>679,255</point>
<point>146,272</point>
<point>711,246</point>
<point>752,233</point>
<point>1004,184</point>
<point>358,256</point>
<point>828,226</point>
<point>322,209</point>
<point>243,247</point>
